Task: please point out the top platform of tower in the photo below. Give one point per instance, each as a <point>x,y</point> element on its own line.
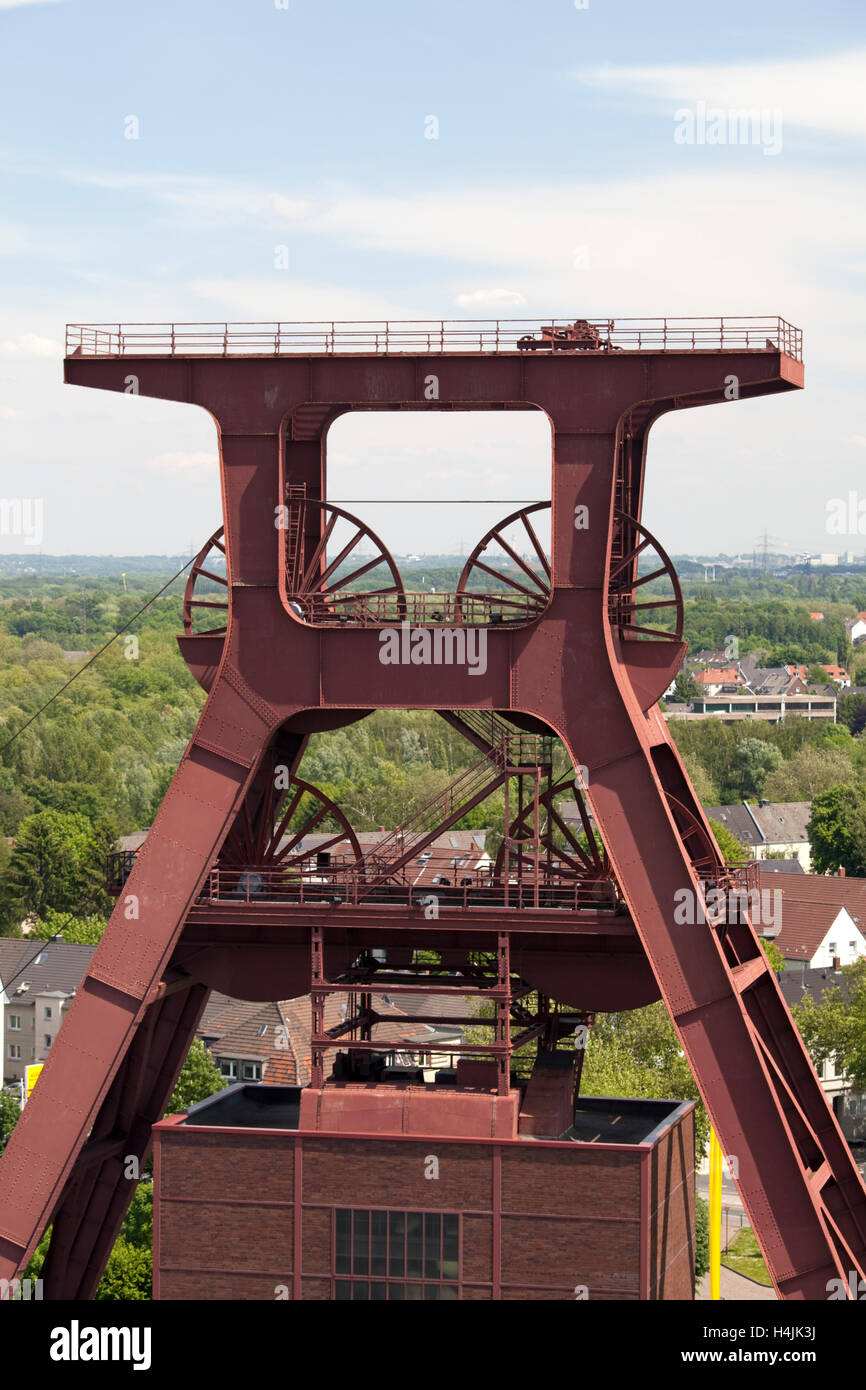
<point>444,337</point>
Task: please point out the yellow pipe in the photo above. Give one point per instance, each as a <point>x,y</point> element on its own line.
<point>715,1216</point>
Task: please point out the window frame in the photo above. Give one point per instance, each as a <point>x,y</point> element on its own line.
<point>377,1280</point>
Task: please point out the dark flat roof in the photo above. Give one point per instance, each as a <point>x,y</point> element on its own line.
<point>249,1107</point>
<point>597,1119</point>
<point>602,1120</point>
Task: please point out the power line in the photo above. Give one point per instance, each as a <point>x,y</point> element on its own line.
<point>42,944</point>
<point>93,658</point>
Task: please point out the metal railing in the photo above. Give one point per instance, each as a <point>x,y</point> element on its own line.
<point>349,609</point>
<point>266,885</point>
<point>709,334</point>
<point>357,885</point>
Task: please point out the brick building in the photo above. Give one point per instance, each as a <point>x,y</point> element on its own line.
<point>410,1191</point>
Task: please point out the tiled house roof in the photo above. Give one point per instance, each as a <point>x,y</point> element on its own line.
<point>278,1035</point>
<point>61,972</point>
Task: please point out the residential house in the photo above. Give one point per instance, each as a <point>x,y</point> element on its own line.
<point>770,827</point>
<point>771,680</point>
<point>751,691</point>
<point>856,629</point>
<point>251,1041</point>
<point>837,674</point>
<point>713,681</point>
<point>823,919</point>
<point>39,980</point>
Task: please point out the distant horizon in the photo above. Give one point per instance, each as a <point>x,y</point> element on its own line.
<point>774,559</point>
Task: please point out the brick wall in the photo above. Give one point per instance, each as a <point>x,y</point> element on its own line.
<point>564,1215</point>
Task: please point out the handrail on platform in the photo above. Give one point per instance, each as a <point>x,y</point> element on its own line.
<point>386,337</point>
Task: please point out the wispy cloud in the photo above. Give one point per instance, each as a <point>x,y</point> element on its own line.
<point>493,298</point>
<point>19,4</point>
<point>821,94</point>
<point>30,345</point>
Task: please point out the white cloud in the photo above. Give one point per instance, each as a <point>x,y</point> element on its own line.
<point>192,461</point>
<point>491,297</point>
<point>30,345</point>
<point>278,300</point>
<point>823,93</point>
<point>18,4</point>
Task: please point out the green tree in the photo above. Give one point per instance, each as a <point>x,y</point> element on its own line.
<point>851,709</point>
<point>702,1237</point>
<point>732,851</point>
<point>128,1274</point>
<point>138,1223</point>
<point>811,770</point>
<point>9,915</point>
<point>700,779</point>
<point>816,675</point>
<point>59,862</point>
<point>754,759</point>
<point>639,1054</point>
<point>835,1025</point>
<point>773,954</point>
<point>83,931</point>
<point>199,1078</point>
<point>9,1112</point>
<point>685,688</point>
<point>837,831</point>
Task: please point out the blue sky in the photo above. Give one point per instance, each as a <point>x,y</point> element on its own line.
<point>305,127</point>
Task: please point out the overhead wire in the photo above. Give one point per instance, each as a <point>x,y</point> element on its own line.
<point>94,657</point>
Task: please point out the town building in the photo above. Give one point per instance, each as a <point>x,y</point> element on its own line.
<point>38,981</point>
<point>425,1191</point>
<point>855,629</point>
<point>778,828</point>
<point>270,1042</point>
<point>823,919</point>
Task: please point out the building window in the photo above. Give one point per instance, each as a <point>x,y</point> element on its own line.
<point>15,1023</point>
<point>228,1069</point>
<point>47,1039</point>
<point>14,1052</point>
<point>396,1255</point>
<point>832,948</point>
<point>47,1013</point>
<point>251,1071</point>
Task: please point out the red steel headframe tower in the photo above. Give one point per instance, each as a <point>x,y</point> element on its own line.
<point>572,651</point>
